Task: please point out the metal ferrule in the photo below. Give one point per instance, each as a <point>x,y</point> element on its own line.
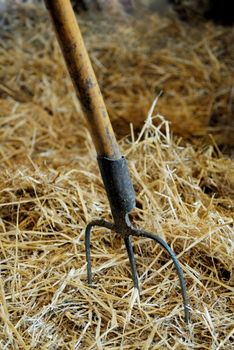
<point>118,185</point>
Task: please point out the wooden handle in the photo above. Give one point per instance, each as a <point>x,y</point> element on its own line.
<point>83,77</point>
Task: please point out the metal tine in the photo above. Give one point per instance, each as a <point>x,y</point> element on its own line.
<point>100,223</point>
<point>132,231</point>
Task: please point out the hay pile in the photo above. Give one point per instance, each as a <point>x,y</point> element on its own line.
<point>51,188</point>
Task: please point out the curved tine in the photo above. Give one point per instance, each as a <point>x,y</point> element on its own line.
<point>158,239</point>
<point>132,261</point>
<point>101,223</point>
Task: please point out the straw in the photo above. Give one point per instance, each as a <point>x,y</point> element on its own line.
<point>51,188</point>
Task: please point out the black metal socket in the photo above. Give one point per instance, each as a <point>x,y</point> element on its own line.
<point>118,185</point>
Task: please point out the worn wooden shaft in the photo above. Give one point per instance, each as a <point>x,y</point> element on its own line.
<point>83,77</point>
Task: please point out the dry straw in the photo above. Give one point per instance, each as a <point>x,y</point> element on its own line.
<point>50,188</point>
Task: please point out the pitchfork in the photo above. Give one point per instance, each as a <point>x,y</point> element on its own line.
<point>113,166</point>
